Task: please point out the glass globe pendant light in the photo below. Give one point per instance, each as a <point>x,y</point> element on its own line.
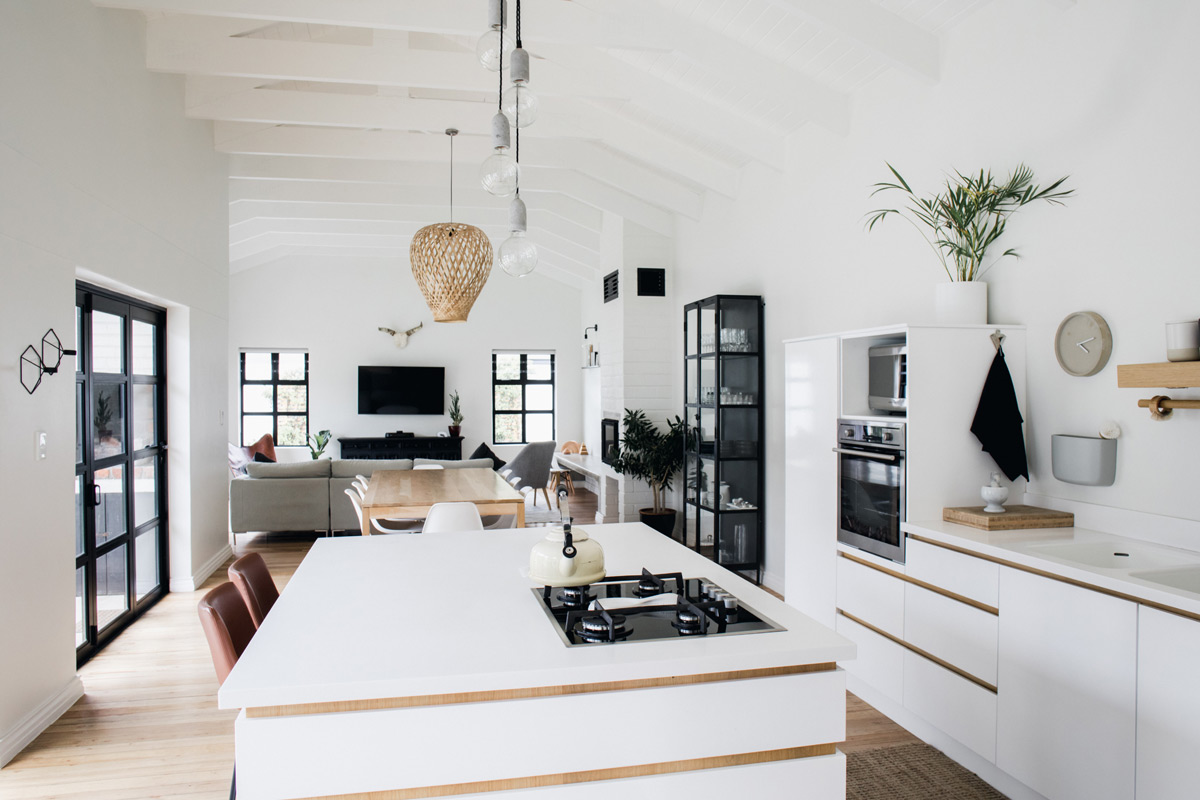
<point>519,103</point>
<point>499,173</point>
<point>495,43</point>
<point>517,255</point>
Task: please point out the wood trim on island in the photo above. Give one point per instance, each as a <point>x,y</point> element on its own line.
<point>588,776</point>
<point>419,701</point>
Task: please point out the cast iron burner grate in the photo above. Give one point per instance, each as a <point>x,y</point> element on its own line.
<point>689,608</point>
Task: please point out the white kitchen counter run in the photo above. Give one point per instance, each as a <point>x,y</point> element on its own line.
<point>1017,548</point>
<point>449,613</point>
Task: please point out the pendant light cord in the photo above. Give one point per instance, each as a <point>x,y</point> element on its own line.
<point>518,23</point>
<point>451,179</point>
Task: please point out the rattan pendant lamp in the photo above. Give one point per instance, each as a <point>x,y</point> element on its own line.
<point>451,261</point>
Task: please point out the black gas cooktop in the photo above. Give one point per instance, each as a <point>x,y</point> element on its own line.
<point>646,607</point>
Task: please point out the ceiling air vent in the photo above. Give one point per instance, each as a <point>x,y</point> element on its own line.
<point>610,286</point>
<point>652,282</point>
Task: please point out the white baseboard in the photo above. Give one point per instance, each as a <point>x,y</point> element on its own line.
<point>36,721</point>
<point>197,579</point>
<point>967,758</point>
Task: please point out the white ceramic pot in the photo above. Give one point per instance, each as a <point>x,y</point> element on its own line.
<point>960,303</point>
<point>551,563</point>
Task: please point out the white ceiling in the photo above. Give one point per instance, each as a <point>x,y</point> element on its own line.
<point>333,111</point>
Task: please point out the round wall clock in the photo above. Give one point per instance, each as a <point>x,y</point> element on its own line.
<point>1083,343</point>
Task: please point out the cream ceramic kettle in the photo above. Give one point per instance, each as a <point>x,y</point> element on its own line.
<point>566,557</point>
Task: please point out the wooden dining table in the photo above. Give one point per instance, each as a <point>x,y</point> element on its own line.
<point>410,493</point>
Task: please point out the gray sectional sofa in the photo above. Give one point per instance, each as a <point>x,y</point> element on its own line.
<point>309,495</point>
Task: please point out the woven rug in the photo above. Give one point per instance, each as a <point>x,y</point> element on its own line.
<point>911,772</point>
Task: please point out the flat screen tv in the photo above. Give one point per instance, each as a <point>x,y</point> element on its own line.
<point>402,390</point>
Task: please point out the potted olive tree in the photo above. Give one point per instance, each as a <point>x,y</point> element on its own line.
<point>648,454</point>
<point>960,223</point>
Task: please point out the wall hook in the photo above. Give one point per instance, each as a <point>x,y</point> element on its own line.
<point>998,340</point>
<point>35,363</point>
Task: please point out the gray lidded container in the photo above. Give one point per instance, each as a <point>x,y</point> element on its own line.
<point>1084,460</point>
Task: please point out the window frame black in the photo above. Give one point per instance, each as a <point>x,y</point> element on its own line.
<point>525,381</point>
<point>275,382</point>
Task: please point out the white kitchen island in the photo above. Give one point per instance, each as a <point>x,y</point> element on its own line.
<point>424,666</point>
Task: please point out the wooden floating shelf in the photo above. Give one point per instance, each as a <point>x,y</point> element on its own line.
<point>1168,375</point>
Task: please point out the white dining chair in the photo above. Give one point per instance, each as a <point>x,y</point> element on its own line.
<point>445,517</point>
<point>428,466</point>
<point>384,525</point>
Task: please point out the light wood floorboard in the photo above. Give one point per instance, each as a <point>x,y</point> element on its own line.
<point>149,726</point>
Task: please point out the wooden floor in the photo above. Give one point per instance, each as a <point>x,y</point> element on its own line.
<point>149,726</point>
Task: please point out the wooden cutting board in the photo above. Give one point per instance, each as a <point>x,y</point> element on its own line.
<point>1014,518</point>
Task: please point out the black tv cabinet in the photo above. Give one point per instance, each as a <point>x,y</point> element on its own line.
<point>442,447</point>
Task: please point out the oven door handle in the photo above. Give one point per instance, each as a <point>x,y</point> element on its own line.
<point>864,454</point>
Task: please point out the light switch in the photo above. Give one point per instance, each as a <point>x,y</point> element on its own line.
<point>41,445</point>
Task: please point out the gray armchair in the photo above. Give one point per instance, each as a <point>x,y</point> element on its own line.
<point>532,464</point>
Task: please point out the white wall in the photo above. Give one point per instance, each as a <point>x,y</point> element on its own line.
<point>333,307</point>
<point>1104,91</point>
<point>102,178</point>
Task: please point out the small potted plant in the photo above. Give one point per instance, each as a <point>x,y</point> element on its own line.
<point>317,442</point>
<point>648,454</point>
<point>456,416</point>
<point>963,220</point>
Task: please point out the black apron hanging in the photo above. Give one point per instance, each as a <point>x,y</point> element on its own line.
<point>997,423</point>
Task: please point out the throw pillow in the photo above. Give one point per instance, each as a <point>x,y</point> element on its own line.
<point>483,451</point>
<point>239,457</point>
<point>263,458</point>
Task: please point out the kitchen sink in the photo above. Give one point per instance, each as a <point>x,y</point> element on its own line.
<point>1112,555</point>
<point>1186,578</point>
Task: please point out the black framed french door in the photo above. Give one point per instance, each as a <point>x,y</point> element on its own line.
<point>120,463</point>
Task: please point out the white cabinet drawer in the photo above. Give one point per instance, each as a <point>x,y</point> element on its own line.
<point>955,572</point>
<point>880,661</point>
<point>872,596</point>
<point>954,632</point>
<point>951,703</point>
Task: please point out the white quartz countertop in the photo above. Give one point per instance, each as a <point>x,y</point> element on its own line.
<point>1118,564</point>
<point>412,615</point>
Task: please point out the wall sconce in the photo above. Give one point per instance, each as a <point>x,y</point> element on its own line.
<point>35,364</point>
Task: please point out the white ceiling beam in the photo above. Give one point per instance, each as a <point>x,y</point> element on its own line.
<point>246,233</point>
<point>901,43</point>
<point>735,61</point>
<point>560,118</point>
<point>248,138</point>
<point>291,200</point>
<point>549,20</point>
<point>252,219</point>
<point>546,268</point>
<point>572,72</point>
<point>398,242</point>
<point>735,130</point>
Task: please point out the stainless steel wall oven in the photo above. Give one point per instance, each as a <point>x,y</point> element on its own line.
<point>871,486</point>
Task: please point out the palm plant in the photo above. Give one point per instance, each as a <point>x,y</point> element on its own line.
<point>647,454</point>
<point>968,215</point>
<point>456,416</point>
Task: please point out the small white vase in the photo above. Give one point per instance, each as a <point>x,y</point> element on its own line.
<point>960,303</point>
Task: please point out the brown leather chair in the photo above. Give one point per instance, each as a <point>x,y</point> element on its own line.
<point>227,626</point>
<point>253,581</point>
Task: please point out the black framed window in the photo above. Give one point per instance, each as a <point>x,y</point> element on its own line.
<point>274,396</point>
<point>523,397</point>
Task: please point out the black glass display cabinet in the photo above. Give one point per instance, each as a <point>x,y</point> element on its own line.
<point>723,460</point>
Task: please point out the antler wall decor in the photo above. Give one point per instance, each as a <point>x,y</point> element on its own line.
<point>401,337</point>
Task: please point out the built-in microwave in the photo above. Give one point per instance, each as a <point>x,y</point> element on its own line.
<point>888,378</point>
<point>871,486</point>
